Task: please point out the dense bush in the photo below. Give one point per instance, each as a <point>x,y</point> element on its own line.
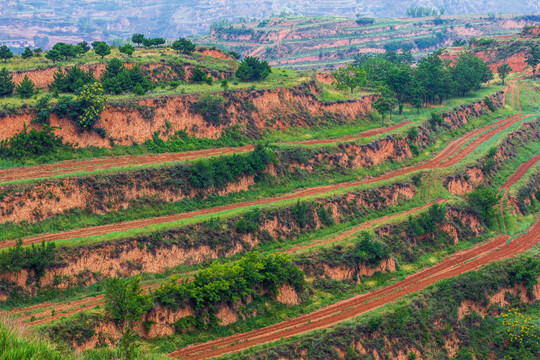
<point>228,284</point>
<point>221,171</point>
<point>198,75</point>
<point>31,143</point>
<point>428,222</point>
<point>43,110</point>
<point>482,201</point>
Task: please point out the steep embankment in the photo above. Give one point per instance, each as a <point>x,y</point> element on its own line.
<point>67,167</point>
<point>458,264</point>
<point>451,155</point>
<point>253,112</point>
<point>110,192</point>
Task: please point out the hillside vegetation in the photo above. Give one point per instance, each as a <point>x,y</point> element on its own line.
<point>170,200</point>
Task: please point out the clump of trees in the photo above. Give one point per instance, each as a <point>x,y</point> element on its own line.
<point>227,284</point>
<point>117,78</point>
<point>398,82</point>
<point>140,39</point>
<point>183,45</point>
<point>421,11</point>
<point>253,69</point>
<point>71,79</point>
<point>532,58</point>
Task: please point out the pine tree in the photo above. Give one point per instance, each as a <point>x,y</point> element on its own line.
<point>26,88</point>
<point>28,53</point>
<point>5,53</point>
<point>6,83</point>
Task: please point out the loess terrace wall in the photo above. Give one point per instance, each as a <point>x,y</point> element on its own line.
<point>252,112</point>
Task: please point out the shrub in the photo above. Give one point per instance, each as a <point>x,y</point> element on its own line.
<point>428,222</point>
<point>43,110</point>
<point>199,76</point>
<point>436,119</point>
<point>482,200</point>
<point>31,143</point>
<point>91,101</point>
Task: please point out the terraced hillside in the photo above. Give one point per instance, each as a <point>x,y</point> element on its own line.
<point>208,216</point>
<point>43,23</point>
<point>305,42</point>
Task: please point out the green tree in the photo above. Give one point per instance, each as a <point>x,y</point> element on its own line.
<point>385,102</point>
<point>127,49</point>
<point>37,52</point>
<point>253,69</point>
<point>532,58</point>
<point>5,53</point>
<point>137,39</point>
<point>26,88</point>
<point>468,73</point>
<point>101,48</point>
<point>6,83</point>
<point>183,45</point>
<point>82,48</point>
<point>503,70</point>
<point>27,53</point>
<point>399,81</point>
<point>125,304</point>
<point>349,77</point>
<point>65,50</point>
<point>53,55</point>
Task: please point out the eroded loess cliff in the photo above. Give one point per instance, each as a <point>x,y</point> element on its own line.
<point>252,112</point>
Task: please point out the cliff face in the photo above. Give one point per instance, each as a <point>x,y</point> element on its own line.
<point>253,111</point>
<point>200,242</point>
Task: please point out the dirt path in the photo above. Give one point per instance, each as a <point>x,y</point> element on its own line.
<point>520,172</point>
<point>443,159</point>
<point>88,303</point>
<point>74,166</point>
<point>494,250</point>
<point>45,309</point>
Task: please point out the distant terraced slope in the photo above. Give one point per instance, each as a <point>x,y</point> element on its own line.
<point>324,41</point>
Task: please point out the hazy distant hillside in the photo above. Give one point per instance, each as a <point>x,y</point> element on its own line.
<point>71,20</point>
